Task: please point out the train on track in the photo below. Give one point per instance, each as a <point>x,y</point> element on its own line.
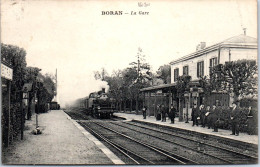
<point>98,104</point>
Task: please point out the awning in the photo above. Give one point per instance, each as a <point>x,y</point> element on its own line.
<point>163,86</point>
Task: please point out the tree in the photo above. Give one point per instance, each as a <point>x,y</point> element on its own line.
<point>129,76</point>
<point>164,73</point>
<point>101,75</point>
<point>238,77</point>
<point>143,74</point>
<point>155,80</point>
<point>46,90</point>
<point>207,86</point>
<point>49,85</point>
<point>43,85</point>
<point>182,86</point>
<point>125,84</point>
<point>16,58</point>
<point>45,93</point>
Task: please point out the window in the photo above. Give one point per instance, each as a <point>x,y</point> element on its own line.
<point>200,69</point>
<point>186,70</point>
<point>212,63</point>
<point>176,74</point>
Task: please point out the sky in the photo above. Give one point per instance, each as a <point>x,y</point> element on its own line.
<point>76,39</point>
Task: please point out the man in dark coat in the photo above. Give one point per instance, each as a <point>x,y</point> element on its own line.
<point>202,115</point>
<point>194,115</point>
<point>158,113</point>
<point>172,113</point>
<point>235,118</point>
<point>144,112</point>
<point>214,118</point>
<point>163,110</point>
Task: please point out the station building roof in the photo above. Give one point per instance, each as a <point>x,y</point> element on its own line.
<point>236,41</point>
<point>167,86</point>
<point>157,87</point>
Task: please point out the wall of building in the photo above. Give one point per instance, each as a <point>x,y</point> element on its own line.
<point>235,54</point>
<point>192,63</point>
<point>152,99</point>
<point>225,54</point>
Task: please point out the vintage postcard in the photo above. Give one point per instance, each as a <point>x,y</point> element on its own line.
<point>129,82</point>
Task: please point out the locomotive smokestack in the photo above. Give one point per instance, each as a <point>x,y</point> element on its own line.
<point>103,90</point>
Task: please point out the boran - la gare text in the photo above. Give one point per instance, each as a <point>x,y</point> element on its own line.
<point>121,13</point>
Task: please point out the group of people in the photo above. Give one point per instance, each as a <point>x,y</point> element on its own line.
<point>211,117</point>
<point>205,115</point>
<point>161,113</point>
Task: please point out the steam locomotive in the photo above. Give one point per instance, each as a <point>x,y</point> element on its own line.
<point>98,104</point>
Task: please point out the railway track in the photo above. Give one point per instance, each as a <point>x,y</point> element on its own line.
<point>230,144</point>
<point>223,154</point>
<point>81,115</point>
<point>162,145</point>
<point>136,150</point>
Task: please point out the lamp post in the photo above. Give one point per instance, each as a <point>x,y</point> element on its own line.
<point>37,100</point>
<point>24,108</point>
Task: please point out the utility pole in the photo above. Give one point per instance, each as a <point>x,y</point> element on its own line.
<point>138,79</point>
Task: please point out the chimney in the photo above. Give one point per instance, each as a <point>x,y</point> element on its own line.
<point>202,45</point>
<point>103,90</point>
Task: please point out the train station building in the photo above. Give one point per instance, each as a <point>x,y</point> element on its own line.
<point>196,65</point>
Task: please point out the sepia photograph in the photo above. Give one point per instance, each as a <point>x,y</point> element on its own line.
<point>130,82</point>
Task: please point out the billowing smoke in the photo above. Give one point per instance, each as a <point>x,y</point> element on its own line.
<point>104,84</point>
<point>78,87</point>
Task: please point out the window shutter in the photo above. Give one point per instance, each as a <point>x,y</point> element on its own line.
<point>187,70</point>
<point>174,75</point>
<point>198,71</point>
<point>202,64</point>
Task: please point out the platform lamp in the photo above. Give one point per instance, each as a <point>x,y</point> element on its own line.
<point>39,82</point>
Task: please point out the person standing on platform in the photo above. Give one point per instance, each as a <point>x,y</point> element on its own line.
<point>172,114</point>
<point>214,118</point>
<point>202,115</point>
<point>234,116</point>
<point>158,115</point>
<point>207,116</point>
<point>144,112</point>
<point>163,110</point>
<point>194,115</point>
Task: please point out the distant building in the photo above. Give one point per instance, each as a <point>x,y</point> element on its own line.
<point>198,64</point>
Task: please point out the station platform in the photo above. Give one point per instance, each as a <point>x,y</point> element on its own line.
<point>243,137</point>
<point>61,142</point>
